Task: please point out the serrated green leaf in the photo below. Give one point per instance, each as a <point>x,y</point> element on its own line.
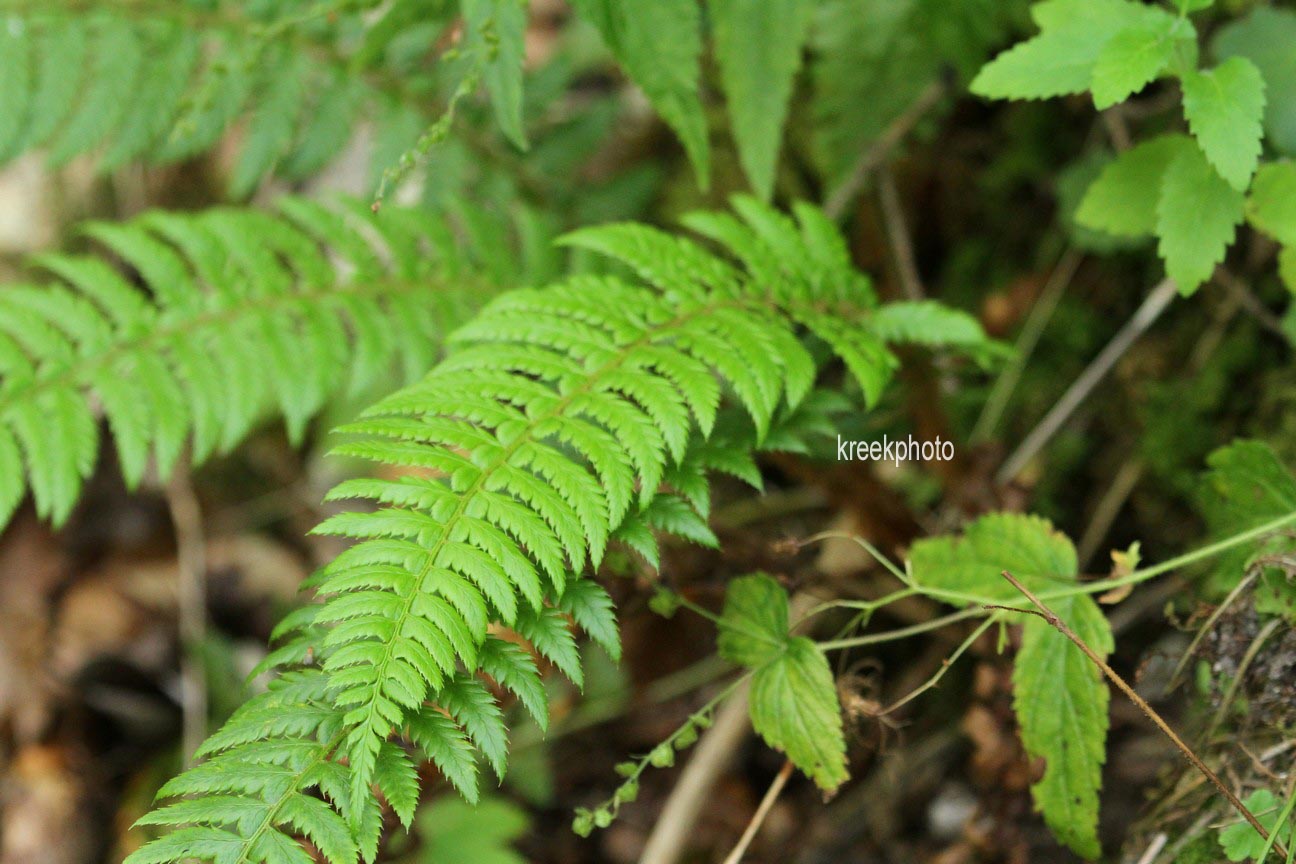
<point>754,624</point>
<point>1197,217</point>
<point>1061,59</point>
<point>1246,485</point>
<point>659,45</point>
<point>1224,107</point>
<point>794,707</point>
<point>1130,61</point>
<point>971,566</point>
<point>1061,699</point>
<point>1265,37</point>
<point>1272,204</point>
<point>1123,199</point>
<point>758,47</point>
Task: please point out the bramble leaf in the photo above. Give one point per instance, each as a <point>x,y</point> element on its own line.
<point>1247,485</point>
<point>1062,58</point>
<point>1265,37</point>
<point>1240,841</point>
<point>1060,700</point>
<point>1224,107</point>
<point>794,702</point>
<point>452,830</point>
<point>754,624</point>
<point>1059,696</point>
<point>795,709</point>
<point>1197,217</point>
<point>971,566</point>
<point>1272,204</point>
<point>1130,61</point>
<point>1123,199</point>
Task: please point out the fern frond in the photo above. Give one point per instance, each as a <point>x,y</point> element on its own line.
<point>565,418</point>
<point>241,314</point>
<point>163,80</point>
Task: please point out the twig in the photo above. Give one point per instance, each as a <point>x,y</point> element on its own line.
<point>758,818</point>
<point>1152,307</point>
<point>186,517</point>
<point>1061,626</point>
<point>881,147</point>
<point>898,235</point>
<point>1031,332</point>
<point>1154,848</point>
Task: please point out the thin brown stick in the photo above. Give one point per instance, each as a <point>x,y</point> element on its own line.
<point>1147,313</point>
<point>1061,626</point>
<point>882,145</point>
<point>758,818</point>
<point>897,230</point>
<point>191,566</point>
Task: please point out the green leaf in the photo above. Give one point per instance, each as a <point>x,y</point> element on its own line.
<point>971,566</point>
<point>795,709</point>
<point>1224,107</point>
<point>754,624</point>
<point>1272,205</point>
<point>1123,199</point>
<point>659,45</point>
<point>794,703</point>
<point>1265,37</point>
<point>1247,485</point>
<point>1130,61</point>
<point>1240,841</point>
<point>498,27</point>
<point>1197,216</point>
<point>1061,699</point>
<point>1061,59</point>
<point>452,830</point>
<point>758,46</point>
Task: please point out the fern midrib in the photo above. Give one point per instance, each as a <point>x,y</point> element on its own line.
<point>76,373</point>
<point>526,437</point>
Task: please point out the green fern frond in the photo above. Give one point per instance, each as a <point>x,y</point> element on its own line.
<point>163,80</point>
<point>241,314</point>
<point>564,419</point>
